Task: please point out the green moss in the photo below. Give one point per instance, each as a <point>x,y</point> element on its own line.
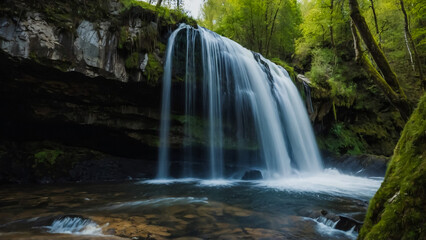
<point>124,35</point>
<point>397,210</point>
<point>132,61</point>
<point>153,70</point>
<point>46,157</point>
<point>146,40</point>
<point>161,47</point>
<point>287,67</point>
<point>168,16</point>
<point>340,140</point>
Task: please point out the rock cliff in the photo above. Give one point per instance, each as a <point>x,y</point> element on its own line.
<point>79,76</point>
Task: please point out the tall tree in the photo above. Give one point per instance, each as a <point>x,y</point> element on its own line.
<point>373,9</point>
<point>413,45</point>
<point>268,26</point>
<point>390,81</point>
<point>331,24</point>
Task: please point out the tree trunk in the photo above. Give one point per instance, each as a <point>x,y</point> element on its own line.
<point>272,29</point>
<point>413,45</point>
<point>409,50</point>
<point>375,23</point>
<point>159,3</point>
<point>389,82</point>
<point>331,24</point>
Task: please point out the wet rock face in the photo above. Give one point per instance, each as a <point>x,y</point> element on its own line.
<point>97,48</point>
<point>67,82</point>
<point>92,51</point>
<point>17,36</point>
<point>97,45</point>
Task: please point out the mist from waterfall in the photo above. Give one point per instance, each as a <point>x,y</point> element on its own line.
<point>233,99</point>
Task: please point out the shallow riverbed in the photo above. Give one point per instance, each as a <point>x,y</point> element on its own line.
<point>185,208</point>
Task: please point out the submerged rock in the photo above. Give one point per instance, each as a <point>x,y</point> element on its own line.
<point>336,221</point>
<point>252,175</point>
<point>346,223</point>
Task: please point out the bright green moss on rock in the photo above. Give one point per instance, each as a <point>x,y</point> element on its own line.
<point>154,69</point>
<point>287,67</point>
<point>341,140</point>
<point>398,209</point>
<point>124,35</point>
<point>132,61</point>
<point>170,16</point>
<point>47,157</point>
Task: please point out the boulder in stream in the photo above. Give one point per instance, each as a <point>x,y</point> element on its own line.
<point>252,175</point>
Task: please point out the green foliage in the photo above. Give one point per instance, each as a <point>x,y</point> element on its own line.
<point>341,140</point>
<point>268,27</point>
<point>170,16</point>
<point>132,61</point>
<point>397,210</point>
<point>320,19</point>
<point>333,75</point>
<point>322,68</point>
<point>65,13</point>
<point>154,69</point>
<point>46,157</point>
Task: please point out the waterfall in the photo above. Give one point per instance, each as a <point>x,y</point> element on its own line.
<point>234,101</point>
<point>307,90</point>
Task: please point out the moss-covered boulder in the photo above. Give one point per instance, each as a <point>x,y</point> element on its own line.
<point>398,209</point>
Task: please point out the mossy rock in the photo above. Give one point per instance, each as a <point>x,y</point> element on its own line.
<point>53,160</point>
<point>47,157</point>
<point>132,62</point>
<point>286,66</point>
<point>342,140</point>
<point>398,209</point>
<point>154,70</point>
<point>124,37</point>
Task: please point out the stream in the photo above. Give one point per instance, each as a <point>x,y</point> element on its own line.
<point>185,208</point>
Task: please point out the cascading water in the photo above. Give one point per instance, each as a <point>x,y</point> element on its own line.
<point>242,101</point>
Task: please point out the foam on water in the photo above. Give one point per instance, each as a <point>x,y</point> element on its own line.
<point>326,228</point>
<point>217,183</point>
<point>330,182</point>
<point>74,225</point>
<point>169,181</point>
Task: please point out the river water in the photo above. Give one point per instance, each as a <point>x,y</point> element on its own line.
<point>185,208</point>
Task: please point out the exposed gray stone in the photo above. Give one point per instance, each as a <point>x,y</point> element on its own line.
<point>144,62</point>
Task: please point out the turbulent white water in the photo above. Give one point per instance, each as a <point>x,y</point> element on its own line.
<point>75,225</point>
<point>246,100</point>
<point>329,182</point>
<point>326,227</point>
